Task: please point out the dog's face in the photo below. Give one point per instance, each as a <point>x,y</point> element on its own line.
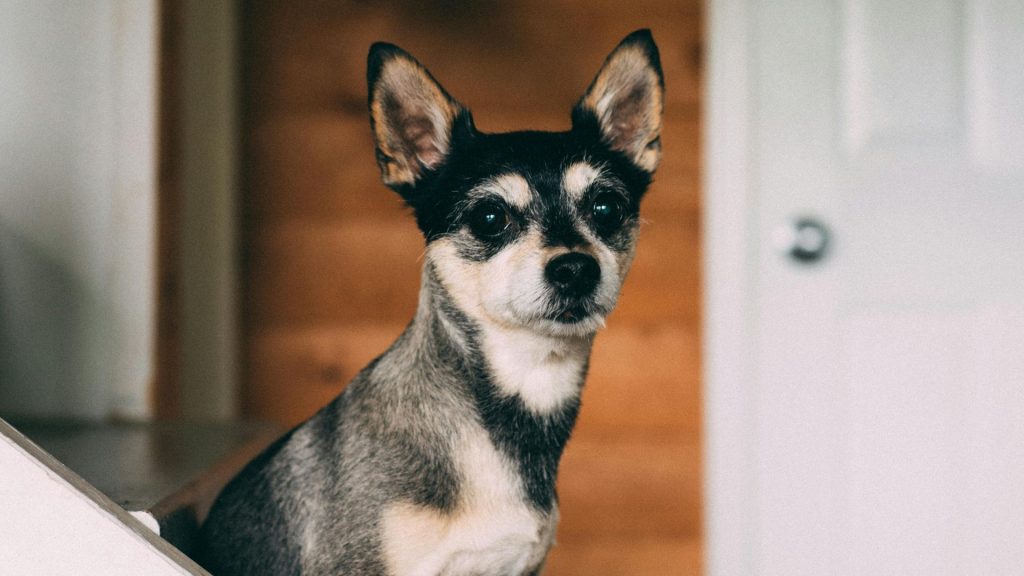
<point>530,230</point>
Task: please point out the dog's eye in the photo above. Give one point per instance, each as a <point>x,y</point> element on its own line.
<point>608,211</point>
<point>488,219</point>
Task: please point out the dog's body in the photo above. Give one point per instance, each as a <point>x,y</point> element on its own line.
<point>440,457</point>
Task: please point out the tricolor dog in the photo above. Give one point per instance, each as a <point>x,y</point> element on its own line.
<point>440,457</point>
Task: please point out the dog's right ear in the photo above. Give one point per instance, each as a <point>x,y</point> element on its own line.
<point>626,100</point>
<point>411,115</point>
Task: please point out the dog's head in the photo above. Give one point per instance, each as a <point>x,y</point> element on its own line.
<point>530,230</point>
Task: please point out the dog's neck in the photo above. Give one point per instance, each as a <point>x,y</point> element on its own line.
<point>542,371</point>
<point>525,385</point>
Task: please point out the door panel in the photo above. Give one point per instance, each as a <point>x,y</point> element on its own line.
<point>997,77</point>
<point>880,406</point>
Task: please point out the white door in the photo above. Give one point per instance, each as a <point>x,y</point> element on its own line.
<point>865,410</point>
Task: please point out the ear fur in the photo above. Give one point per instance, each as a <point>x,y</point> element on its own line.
<point>411,115</point>
<point>626,99</point>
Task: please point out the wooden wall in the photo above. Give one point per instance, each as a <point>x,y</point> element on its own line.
<point>332,259</point>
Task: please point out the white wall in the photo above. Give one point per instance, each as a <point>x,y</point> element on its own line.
<point>77,197</point>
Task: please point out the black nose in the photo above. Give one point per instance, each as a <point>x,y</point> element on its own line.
<point>573,274</point>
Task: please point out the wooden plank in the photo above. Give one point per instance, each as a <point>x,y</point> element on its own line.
<point>474,51</point>
<point>664,283</point>
<point>643,383</point>
<point>317,166</point>
<point>293,373</point>
<point>627,557</point>
<point>306,273</point>
<point>630,489</point>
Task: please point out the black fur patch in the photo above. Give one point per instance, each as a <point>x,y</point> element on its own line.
<point>534,443</point>
<point>540,157</point>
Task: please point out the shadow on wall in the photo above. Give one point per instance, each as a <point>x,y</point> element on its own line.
<point>76,217</point>
<point>54,333</point>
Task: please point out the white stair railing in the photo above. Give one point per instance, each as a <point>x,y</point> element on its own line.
<point>53,522</point>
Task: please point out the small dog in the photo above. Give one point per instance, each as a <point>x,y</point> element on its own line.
<point>440,457</point>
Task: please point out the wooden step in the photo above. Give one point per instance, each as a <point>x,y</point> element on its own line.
<point>167,475</point>
<point>56,522</point>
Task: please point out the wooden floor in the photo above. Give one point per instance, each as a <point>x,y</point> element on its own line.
<point>332,258</point>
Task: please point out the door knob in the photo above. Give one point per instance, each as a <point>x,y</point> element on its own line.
<point>805,240</point>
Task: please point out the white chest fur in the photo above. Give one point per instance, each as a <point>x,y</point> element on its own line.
<point>543,371</point>
<point>493,530</point>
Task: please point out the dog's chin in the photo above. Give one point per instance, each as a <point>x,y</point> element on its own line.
<point>555,325</point>
<point>560,318</point>
<point>578,327</point>
<point>570,321</point>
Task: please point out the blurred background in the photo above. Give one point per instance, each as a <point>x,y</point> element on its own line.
<point>193,229</point>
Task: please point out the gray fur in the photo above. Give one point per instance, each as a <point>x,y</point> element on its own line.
<point>386,439</point>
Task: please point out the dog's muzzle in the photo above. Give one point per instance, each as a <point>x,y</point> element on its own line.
<point>574,276</point>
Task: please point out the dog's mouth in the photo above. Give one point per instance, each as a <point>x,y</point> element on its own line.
<point>570,316</point>
<point>574,314</point>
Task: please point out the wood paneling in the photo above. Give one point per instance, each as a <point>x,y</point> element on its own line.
<point>640,557</point>
<point>306,273</point>
<point>332,258</point>
<point>498,54</point>
<point>659,401</point>
<point>631,489</point>
<point>295,372</point>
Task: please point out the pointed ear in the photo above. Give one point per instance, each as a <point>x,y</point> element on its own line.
<point>626,100</point>
<point>410,113</point>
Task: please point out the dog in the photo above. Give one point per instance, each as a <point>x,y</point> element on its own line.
<point>440,457</point>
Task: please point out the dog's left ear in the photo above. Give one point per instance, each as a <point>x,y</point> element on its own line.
<point>626,100</point>
<point>411,115</point>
